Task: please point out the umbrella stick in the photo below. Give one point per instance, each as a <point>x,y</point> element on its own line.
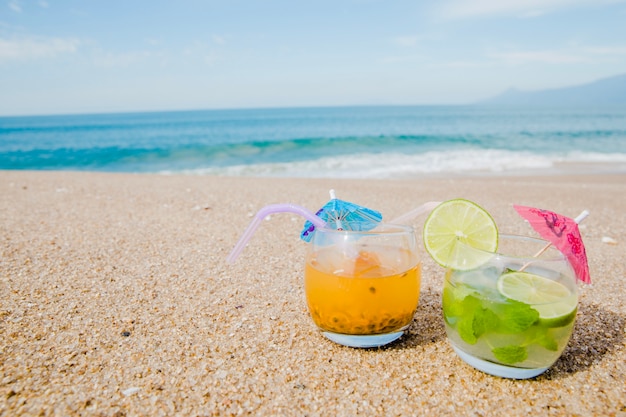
<point>582,216</point>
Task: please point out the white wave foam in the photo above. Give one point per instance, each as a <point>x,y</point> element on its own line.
<point>591,157</point>
<point>396,165</point>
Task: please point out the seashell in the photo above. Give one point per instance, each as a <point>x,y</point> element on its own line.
<point>609,240</point>
<point>130,391</point>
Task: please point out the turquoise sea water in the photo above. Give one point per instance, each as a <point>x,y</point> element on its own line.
<point>350,142</point>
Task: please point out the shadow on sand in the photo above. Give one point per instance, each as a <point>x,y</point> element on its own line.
<point>597,332</point>
<point>427,326</point>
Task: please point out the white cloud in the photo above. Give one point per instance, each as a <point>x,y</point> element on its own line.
<point>212,59</point>
<point>465,64</point>
<point>406,40</point>
<point>35,48</point>
<point>605,50</point>
<point>546,57</point>
<point>107,59</point>
<point>402,59</point>
<point>194,48</point>
<point>575,54</point>
<point>218,40</point>
<point>205,52</point>
<point>15,6</point>
<point>154,41</point>
<point>462,9</point>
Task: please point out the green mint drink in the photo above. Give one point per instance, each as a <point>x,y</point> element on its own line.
<point>516,319</point>
<point>509,302</point>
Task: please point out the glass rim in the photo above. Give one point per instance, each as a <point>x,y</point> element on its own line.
<point>555,256</point>
<point>380,229</point>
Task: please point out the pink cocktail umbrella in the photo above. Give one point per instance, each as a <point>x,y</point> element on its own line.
<point>563,233</point>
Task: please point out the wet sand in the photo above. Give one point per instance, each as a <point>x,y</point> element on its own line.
<point>116,300</point>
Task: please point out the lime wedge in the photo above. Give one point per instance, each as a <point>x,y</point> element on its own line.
<point>555,303</point>
<point>460,221</point>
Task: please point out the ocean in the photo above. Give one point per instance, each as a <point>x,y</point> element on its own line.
<point>338,142</point>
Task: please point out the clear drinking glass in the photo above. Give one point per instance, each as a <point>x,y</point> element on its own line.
<point>362,287</point>
<point>492,331</point>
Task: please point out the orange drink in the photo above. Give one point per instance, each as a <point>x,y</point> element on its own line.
<point>371,301</point>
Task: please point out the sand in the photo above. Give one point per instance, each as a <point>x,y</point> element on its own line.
<point>116,300</point>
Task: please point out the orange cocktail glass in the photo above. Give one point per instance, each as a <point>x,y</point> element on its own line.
<point>363,287</point>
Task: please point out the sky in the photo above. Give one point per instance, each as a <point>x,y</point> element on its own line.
<point>86,56</point>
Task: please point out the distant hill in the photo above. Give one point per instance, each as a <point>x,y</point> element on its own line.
<point>607,91</point>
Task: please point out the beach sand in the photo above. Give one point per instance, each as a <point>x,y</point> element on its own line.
<point>116,300</point>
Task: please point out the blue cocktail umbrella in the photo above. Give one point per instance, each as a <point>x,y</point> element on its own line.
<point>343,215</point>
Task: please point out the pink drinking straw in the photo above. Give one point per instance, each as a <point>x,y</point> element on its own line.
<point>262,214</point>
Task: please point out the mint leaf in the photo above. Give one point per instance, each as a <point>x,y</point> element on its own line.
<point>473,319</point>
<point>548,343</point>
<point>543,338</point>
<point>465,327</point>
<point>470,307</point>
<point>510,354</point>
<point>457,302</point>
<point>451,307</point>
<point>476,323</point>
<point>517,317</point>
<point>471,304</point>
<point>485,320</point>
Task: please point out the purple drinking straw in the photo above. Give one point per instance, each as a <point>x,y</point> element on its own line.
<point>262,214</point>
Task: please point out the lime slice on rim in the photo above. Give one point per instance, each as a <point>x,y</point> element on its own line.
<point>453,228</point>
<point>555,303</point>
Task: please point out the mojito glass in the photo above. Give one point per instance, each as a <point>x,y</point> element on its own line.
<point>362,287</point>
<point>513,315</point>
